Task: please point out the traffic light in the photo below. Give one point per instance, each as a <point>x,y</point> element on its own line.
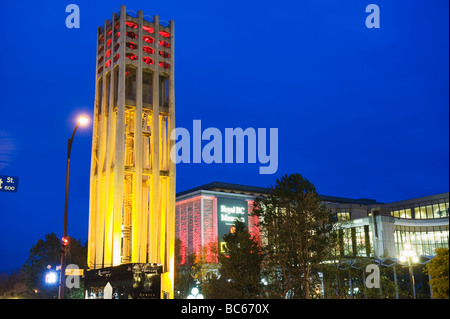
<point>65,245</point>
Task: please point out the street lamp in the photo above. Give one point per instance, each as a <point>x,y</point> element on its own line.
<point>409,256</point>
<point>82,120</point>
<point>195,294</point>
<point>51,278</point>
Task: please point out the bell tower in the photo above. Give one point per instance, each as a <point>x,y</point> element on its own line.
<point>132,183</point>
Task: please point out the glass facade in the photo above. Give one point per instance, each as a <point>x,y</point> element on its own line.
<point>355,241</point>
<point>432,209</point>
<point>423,240</point>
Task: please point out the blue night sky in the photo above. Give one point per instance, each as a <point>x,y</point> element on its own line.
<point>360,112</point>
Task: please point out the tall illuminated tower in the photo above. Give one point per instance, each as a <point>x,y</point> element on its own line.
<point>132,187</point>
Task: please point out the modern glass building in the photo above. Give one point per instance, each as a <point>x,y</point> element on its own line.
<point>366,228</point>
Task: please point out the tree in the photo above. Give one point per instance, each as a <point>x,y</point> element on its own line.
<point>437,268</point>
<point>183,281</point>
<point>238,271</point>
<point>298,232</point>
<point>10,285</point>
<point>45,255</point>
<point>240,262</point>
<point>196,271</point>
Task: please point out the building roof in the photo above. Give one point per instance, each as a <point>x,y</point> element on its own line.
<point>257,191</point>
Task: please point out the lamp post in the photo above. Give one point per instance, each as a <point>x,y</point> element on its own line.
<point>83,120</point>
<point>409,256</point>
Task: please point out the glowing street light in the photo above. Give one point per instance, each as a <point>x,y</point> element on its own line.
<point>408,255</point>
<point>195,294</point>
<point>51,278</point>
<point>82,120</point>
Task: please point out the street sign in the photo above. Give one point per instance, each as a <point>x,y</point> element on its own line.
<point>9,183</point>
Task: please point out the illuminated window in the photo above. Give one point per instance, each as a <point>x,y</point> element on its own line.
<point>164,54</point>
<point>164,65</point>
<point>164,44</point>
<point>443,210</point>
<point>131,56</point>
<point>148,50</point>
<point>223,247</point>
<point>132,25</point>
<point>401,212</point>
<point>420,213</point>
<point>164,34</point>
<point>148,39</point>
<point>148,29</point>
<point>148,60</point>
<point>343,216</point>
<point>132,45</point>
<point>423,240</point>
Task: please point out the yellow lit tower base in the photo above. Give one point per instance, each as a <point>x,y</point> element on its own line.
<point>132,190</point>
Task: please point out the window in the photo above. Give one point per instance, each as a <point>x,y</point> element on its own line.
<point>401,212</point>
<point>164,91</point>
<point>116,85</point>
<point>130,83</point>
<point>343,216</point>
<point>147,87</point>
<point>443,210</point>
<point>423,240</point>
<point>419,213</point>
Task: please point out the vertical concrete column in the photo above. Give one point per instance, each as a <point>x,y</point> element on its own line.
<point>109,187</point>
<point>92,238</point>
<point>155,211</point>
<point>139,255</point>
<point>170,220</point>
<point>103,158</point>
<point>119,156</point>
<point>100,155</point>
